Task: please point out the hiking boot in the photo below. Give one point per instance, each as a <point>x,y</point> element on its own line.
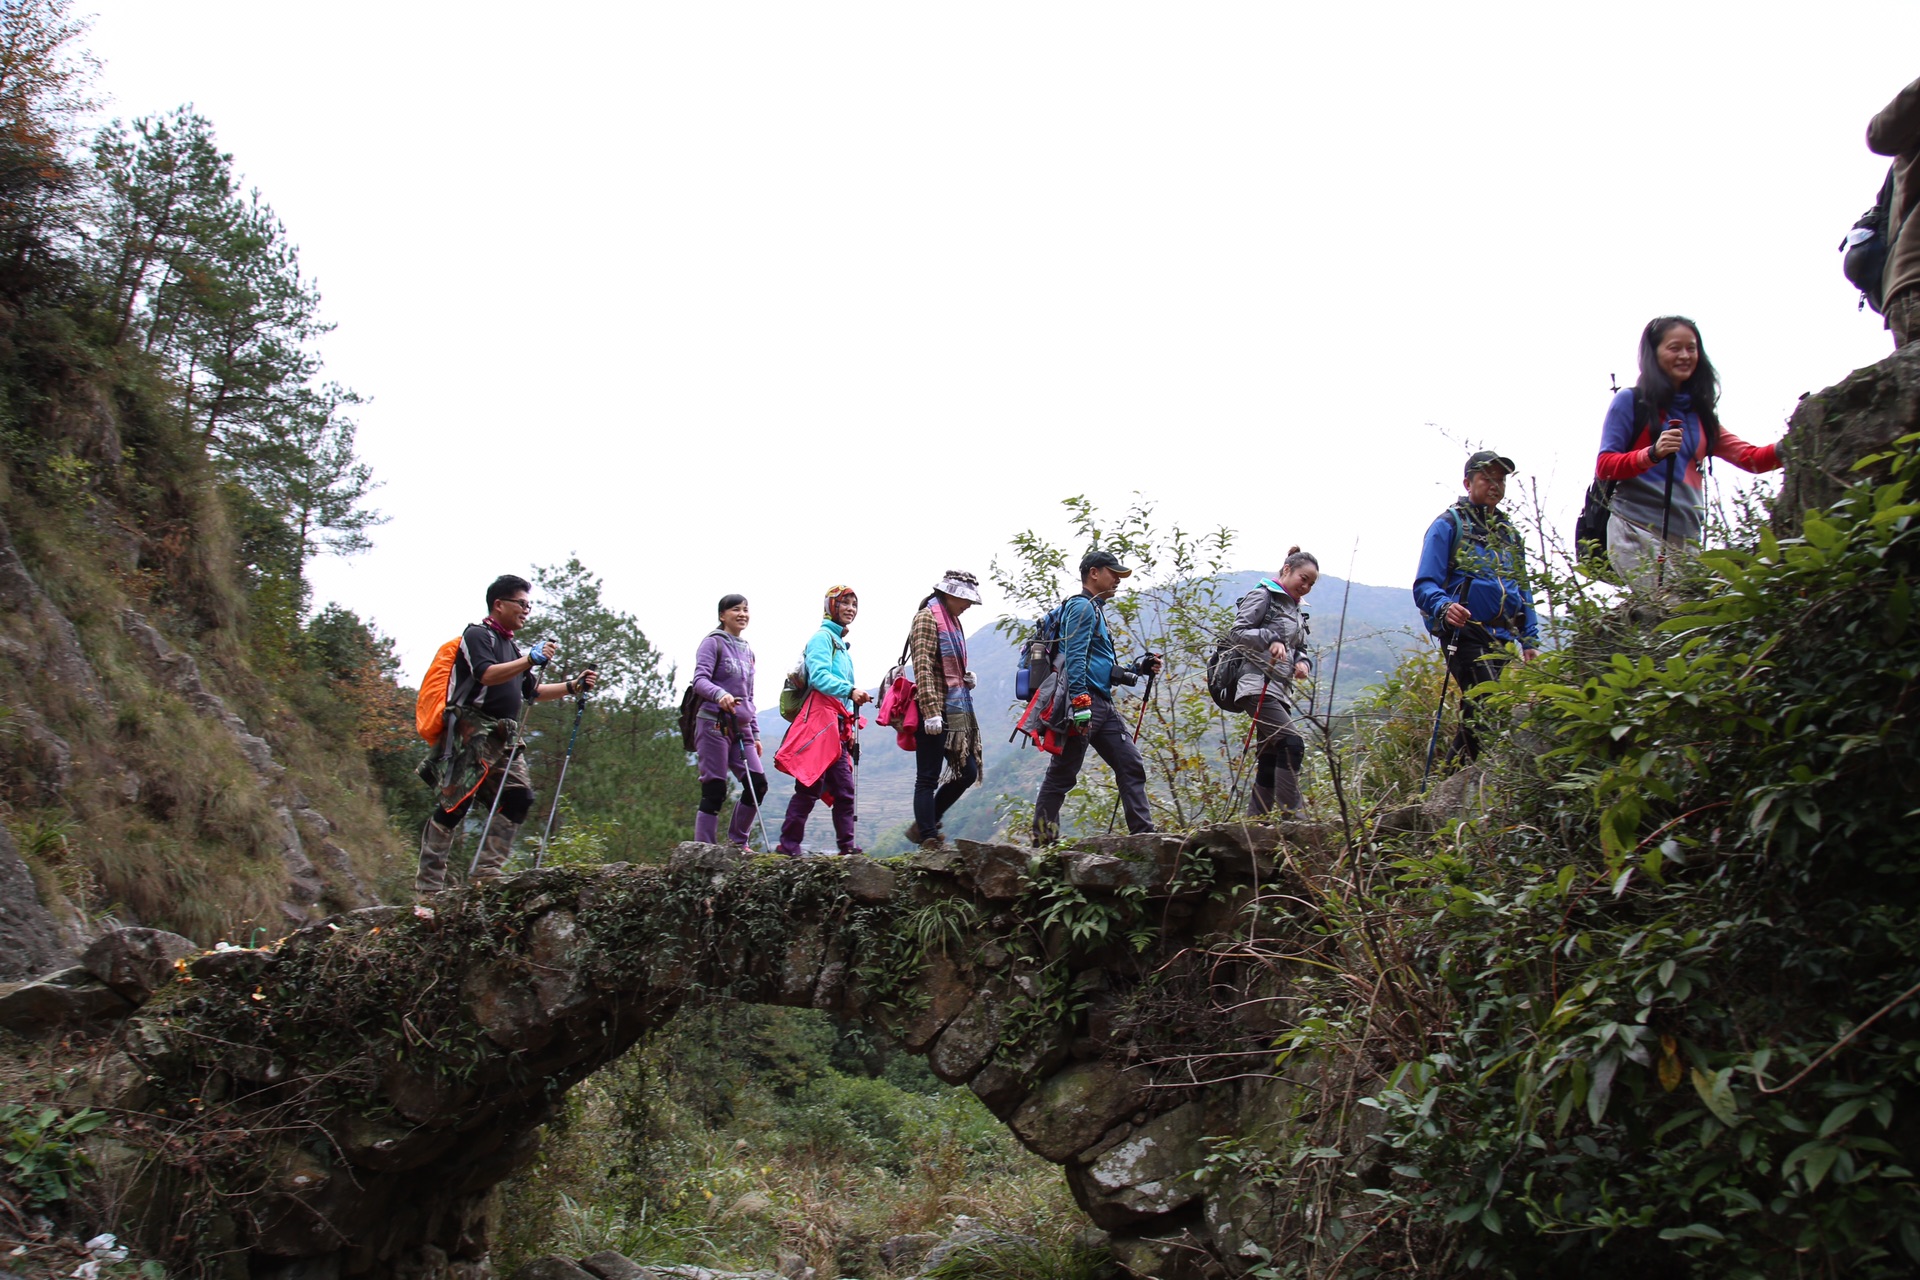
<point>1286,791</point>
<point>436,844</point>
<point>495,850</point>
<point>913,834</point>
<point>934,843</point>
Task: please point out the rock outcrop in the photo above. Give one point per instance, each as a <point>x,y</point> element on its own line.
<point>1832,429</point>
<point>29,939</point>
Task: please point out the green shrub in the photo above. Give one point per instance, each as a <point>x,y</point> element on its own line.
<point>1655,1010</point>
<point>41,1150</point>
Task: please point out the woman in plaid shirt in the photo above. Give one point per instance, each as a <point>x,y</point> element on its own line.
<point>949,734</point>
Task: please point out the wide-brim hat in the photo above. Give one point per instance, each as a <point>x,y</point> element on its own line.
<point>959,584</point>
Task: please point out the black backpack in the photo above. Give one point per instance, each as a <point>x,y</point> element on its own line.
<point>1867,246</point>
<point>689,718</point>
<point>1227,661</point>
<point>690,710</point>
<point>1596,509</point>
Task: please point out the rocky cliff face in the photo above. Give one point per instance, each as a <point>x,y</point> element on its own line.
<point>137,791</point>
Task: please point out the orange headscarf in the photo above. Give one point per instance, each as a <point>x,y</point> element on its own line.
<point>834,593</point>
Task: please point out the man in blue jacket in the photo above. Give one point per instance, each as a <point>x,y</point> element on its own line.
<point>1472,589</point>
<point>1091,669</point>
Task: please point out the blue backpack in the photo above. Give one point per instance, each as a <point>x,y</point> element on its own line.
<point>1039,653</point>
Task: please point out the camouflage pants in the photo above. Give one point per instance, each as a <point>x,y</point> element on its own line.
<point>478,772</point>
<point>1903,316</point>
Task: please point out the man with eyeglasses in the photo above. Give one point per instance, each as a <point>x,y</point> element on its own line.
<point>487,712</point>
<point>1472,590</point>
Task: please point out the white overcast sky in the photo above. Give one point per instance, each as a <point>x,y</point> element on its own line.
<point>766,296</point>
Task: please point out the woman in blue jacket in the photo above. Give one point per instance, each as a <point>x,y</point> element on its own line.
<point>830,672</point>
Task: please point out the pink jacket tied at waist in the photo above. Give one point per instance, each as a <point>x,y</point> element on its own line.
<point>814,740</point>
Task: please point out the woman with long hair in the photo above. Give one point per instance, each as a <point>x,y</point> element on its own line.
<point>949,735</point>
<point>727,733</point>
<point>1656,437</point>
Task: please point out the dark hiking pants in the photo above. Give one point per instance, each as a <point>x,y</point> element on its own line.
<point>1475,661</point>
<point>1278,749</point>
<point>1109,736</point>
<point>931,799</point>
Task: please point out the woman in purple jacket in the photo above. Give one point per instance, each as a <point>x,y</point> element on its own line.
<point>727,739</point>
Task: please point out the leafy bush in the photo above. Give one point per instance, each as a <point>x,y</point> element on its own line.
<point>1655,1010</point>
<point>41,1149</point>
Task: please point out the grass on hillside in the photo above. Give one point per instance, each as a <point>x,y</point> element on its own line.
<point>163,822</point>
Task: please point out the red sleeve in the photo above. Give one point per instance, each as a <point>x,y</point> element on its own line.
<point>1624,466</point>
<point>1747,457</point>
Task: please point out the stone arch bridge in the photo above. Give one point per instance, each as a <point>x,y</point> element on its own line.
<point>341,1105</point>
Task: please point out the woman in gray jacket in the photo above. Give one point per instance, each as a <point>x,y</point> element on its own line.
<point>1269,629</point>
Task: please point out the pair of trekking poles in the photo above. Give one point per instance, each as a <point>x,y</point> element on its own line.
<point>513,751</point>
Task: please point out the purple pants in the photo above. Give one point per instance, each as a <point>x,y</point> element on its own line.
<point>718,756</point>
<point>837,783</point>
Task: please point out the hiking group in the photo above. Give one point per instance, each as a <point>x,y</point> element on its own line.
<point>1646,506</point>
<point>1471,588</point>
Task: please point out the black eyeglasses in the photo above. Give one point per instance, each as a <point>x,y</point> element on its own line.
<point>523,602</point>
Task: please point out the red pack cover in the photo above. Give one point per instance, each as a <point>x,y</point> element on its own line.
<point>900,711</point>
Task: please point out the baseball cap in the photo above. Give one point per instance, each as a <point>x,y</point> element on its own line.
<point>1487,458</point>
<point>1102,560</point>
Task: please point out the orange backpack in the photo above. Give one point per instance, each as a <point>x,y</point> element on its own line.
<point>436,694</point>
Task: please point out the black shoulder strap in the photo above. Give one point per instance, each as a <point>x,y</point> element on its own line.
<point>464,691</point>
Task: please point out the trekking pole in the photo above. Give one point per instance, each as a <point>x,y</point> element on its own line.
<point>1138,720</point>
<point>1666,514</point>
<point>760,801</point>
<point>746,774</point>
<point>1446,674</point>
<point>1246,744</point>
<point>480,847</point>
<point>1452,640</point>
<point>579,710</point>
